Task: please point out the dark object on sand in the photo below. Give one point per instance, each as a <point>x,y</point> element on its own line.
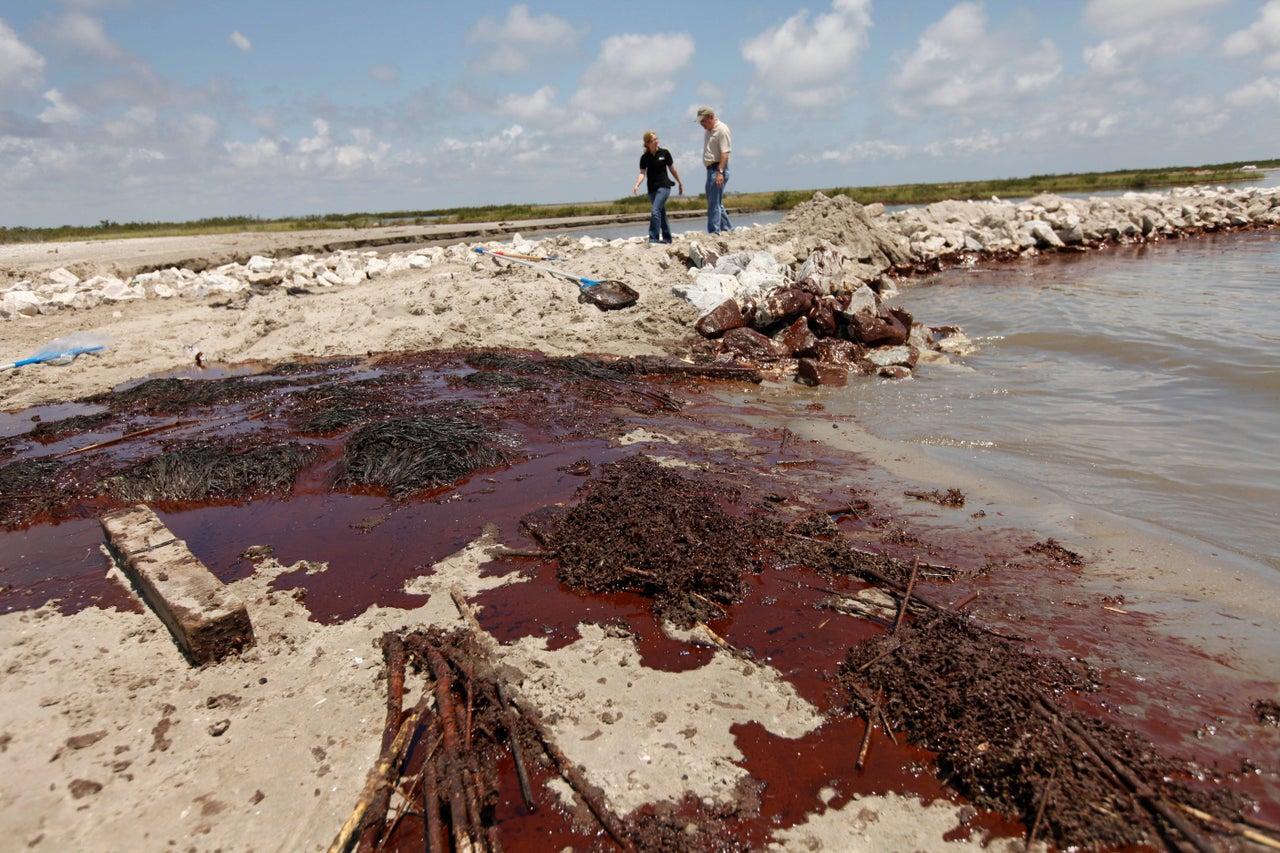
<point>207,470</point>
<point>415,454</point>
<point>642,527</point>
<point>607,295</point>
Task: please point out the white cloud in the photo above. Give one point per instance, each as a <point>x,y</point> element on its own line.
<point>84,36</point>
<point>1111,57</point>
<point>807,64</point>
<point>256,156</point>
<point>1262,35</point>
<point>384,73</point>
<point>36,160</point>
<point>241,41</point>
<point>1127,15</point>
<point>319,155</point>
<point>1138,33</point>
<point>633,73</point>
<point>537,108</point>
<point>961,65</point>
<point>1261,91</point>
<point>21,67</point>
<point>984,142</point>
<point>854,152</point>
<point>1198,116</point>
<point>1097,125</point>
<point>515,44</point>
<point>197,131</point>
<point>59,111</point>
<point>509,146</point>
<point>136,121</point>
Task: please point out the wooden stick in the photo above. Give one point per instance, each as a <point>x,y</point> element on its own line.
<point>1044,801</point>
<point>884,724</point>
<point>1149,798</point>
<point>1224,826</point>
<point>864,746</point>
<point>435,837</point>
<point>465,609</point>
<point>884,654</point>
<point>449,727</point>
<point>408,797</point>
<point>125,437</point>
<point>571,774</point>
<point>381,773</point>
<point>517,751</point>
<point>717,639</point>
<point>906,598</point>
<point>393,653</point>
<point>504,551</point>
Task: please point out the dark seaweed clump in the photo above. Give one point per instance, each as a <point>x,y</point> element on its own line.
<point>415,454</point>
<point>169,396</point>
<point>209,469</point>
<point>985,706</point>
<point>641,526</point>
<point>330,408</point>
<point>31,487</point>
<point>51,431</point>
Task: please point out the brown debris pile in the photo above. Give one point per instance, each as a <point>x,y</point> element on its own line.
<point>815,540</point>
<point>448,784</point>
<point>439,776</point>
<point>985,706</point>
<point>1266,711</point>
<point>643,527</point>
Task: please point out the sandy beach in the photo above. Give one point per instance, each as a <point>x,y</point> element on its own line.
<point>110,740</point>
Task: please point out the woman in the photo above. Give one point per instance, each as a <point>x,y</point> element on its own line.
<point>654,163</point>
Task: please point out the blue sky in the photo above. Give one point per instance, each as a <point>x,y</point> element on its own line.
<point>149,110</point>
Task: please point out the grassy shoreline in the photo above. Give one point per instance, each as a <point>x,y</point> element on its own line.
<point>1129,179</point>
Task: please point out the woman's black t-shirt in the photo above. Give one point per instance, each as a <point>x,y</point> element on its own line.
<point>655,169</point>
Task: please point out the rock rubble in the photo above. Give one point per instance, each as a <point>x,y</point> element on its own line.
<point>829,311</point>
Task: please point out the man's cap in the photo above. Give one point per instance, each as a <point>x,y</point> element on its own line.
<point>703,112</point>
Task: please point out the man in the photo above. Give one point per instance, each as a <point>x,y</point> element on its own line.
<point>716,146</point>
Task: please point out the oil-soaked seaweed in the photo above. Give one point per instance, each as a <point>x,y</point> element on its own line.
<point>409,455</point>
<point>31,487</point>
<point>302,368</point>
<point>640,526</point>
<point>984,705</point>
<point>814,540</point>
<point>209,469</point>
<point>580,366</point>
<point>47,432</point>
<point>326,409</point>
<point>499,380</point>
<point>169,396</point>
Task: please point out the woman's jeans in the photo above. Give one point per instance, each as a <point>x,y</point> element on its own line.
<point>717,219</point>
<point>659,228</point>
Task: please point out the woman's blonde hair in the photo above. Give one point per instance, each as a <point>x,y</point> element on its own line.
<point>649,136</point>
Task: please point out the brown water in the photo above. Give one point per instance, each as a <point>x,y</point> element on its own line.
<point>1142,381</point>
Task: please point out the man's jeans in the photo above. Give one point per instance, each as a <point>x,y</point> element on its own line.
<point>717,219</point>
<point>659,228</point>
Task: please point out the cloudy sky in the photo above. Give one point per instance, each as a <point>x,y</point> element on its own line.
<point>153,110</point>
